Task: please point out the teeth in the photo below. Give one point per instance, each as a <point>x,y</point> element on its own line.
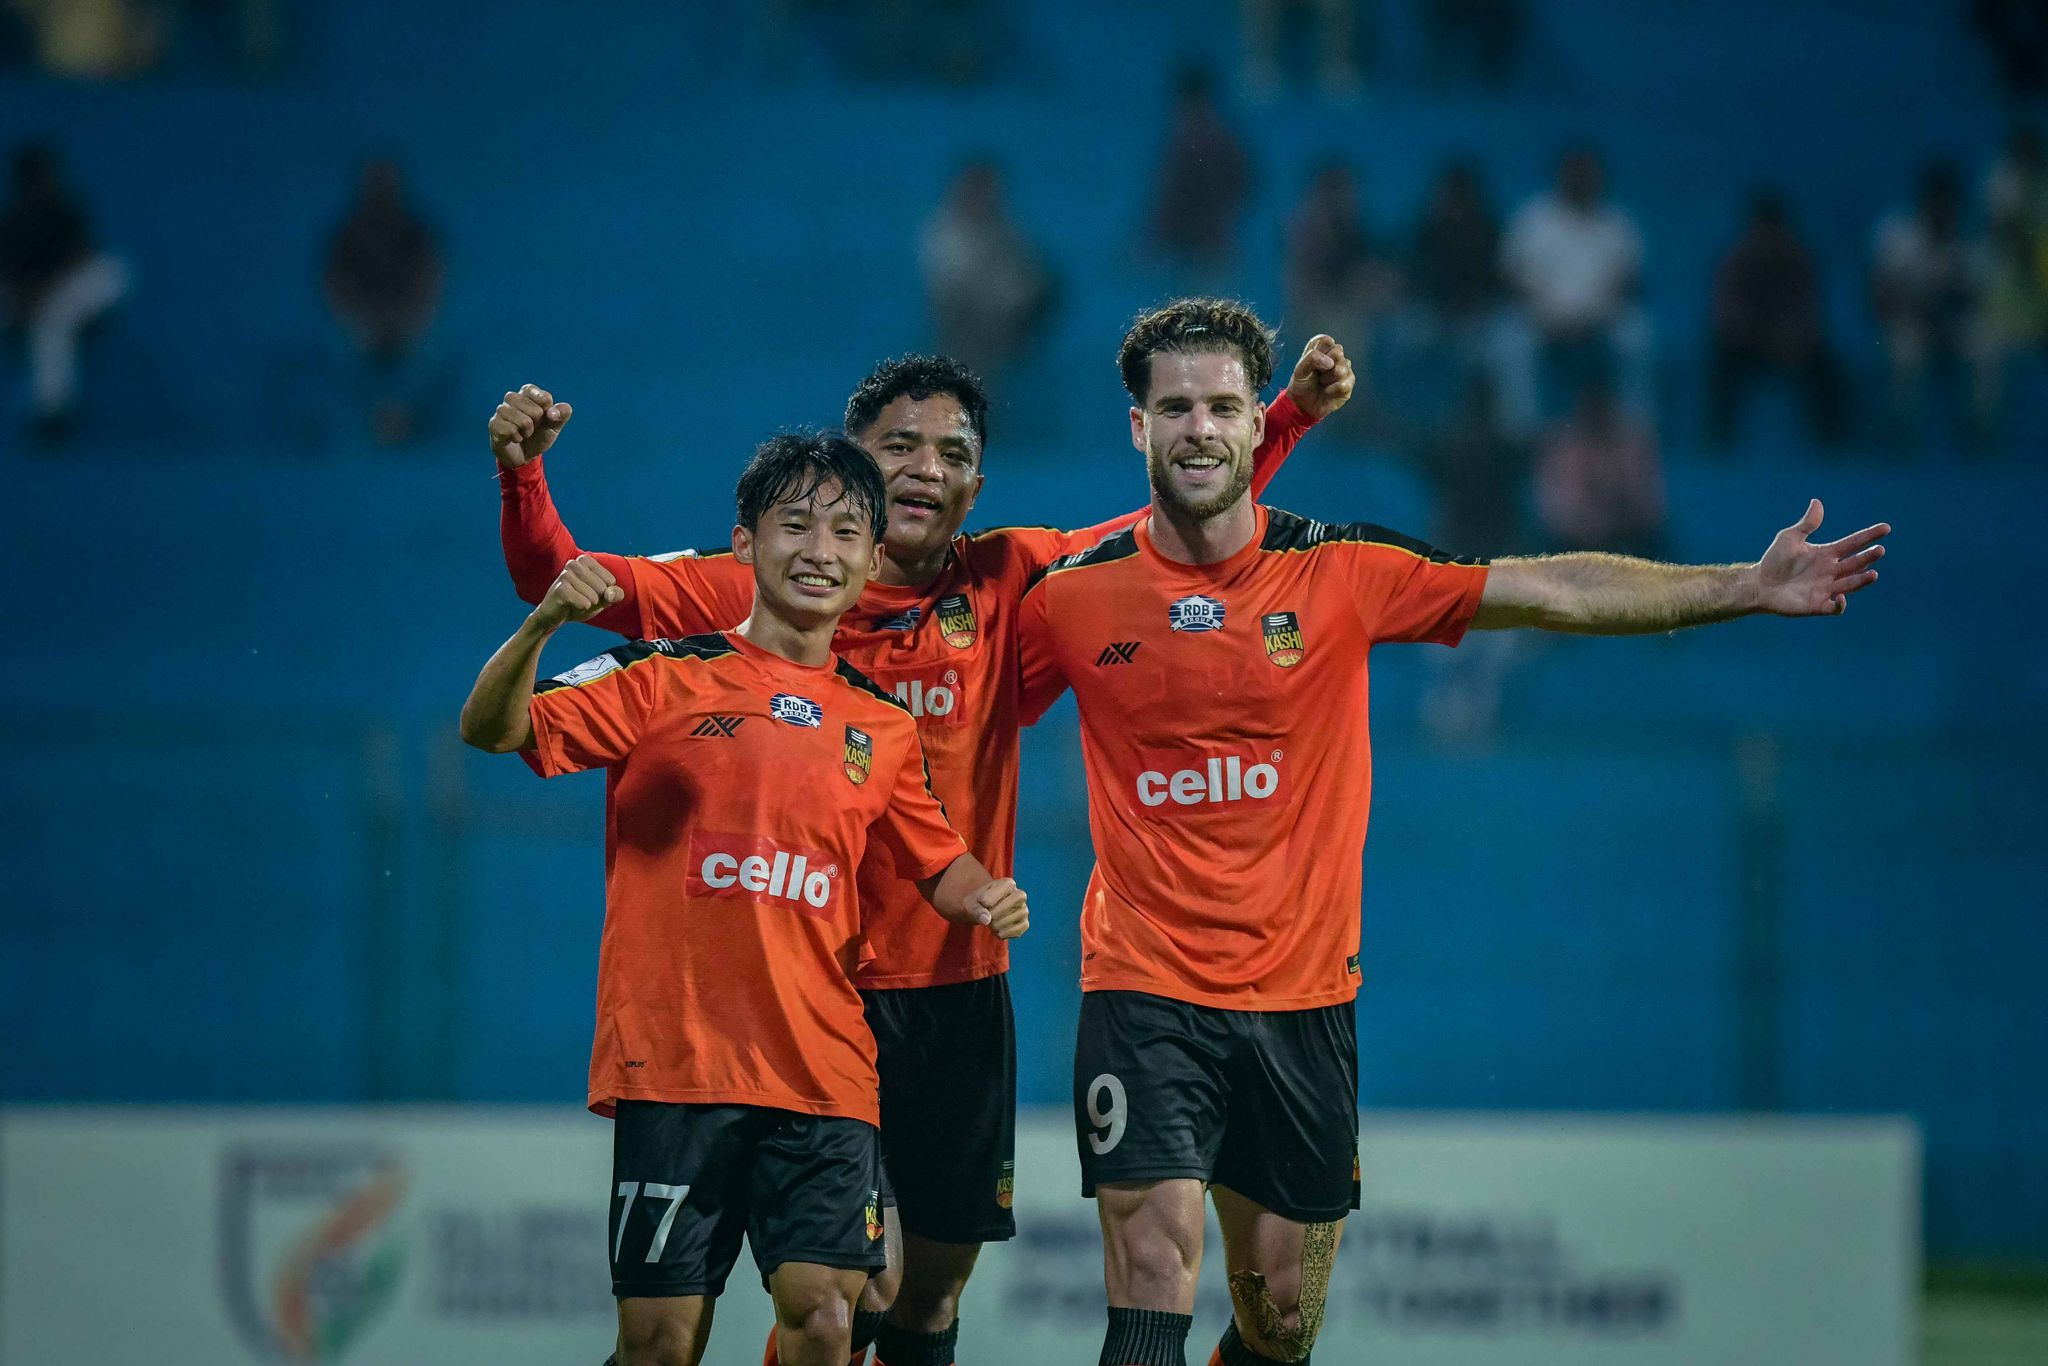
<point>814,580</point>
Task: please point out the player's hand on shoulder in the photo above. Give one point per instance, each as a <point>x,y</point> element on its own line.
<point>582,590</point>
<point>1000,904</point>
<point>525,425</point>
<point>1323,378</point>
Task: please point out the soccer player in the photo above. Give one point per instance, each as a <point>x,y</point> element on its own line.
<point>746,770</point>
<point>936,628</point>
<point>1218,651</point>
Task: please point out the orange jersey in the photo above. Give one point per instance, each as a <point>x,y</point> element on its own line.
<point>947,650</point>
<point>742,790</point>
<point>1223,724</point>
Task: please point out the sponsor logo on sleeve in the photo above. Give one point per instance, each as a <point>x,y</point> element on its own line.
<point>749,868</point>
<point>797,711</point>
<point>860,755</point>
<point>1284,645</point>
<point>1196,612</point>
<point>956,620</point>
<point>589,671</point>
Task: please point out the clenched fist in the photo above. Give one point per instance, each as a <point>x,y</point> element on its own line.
<point>582,590</point>
<point>525,425</point>
<point>1323,378</point>
<point>1001,906</point>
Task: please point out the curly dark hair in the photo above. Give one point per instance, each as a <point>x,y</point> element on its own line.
<point>791,466</point>
<point>1197,325</point>
<point>919,377</point>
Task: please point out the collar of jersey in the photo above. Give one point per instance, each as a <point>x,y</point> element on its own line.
<point>1221,569</point>
<point>775,663</point>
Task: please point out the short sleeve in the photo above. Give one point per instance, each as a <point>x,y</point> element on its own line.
<point>913,826</point>
<point>1409,591</point>
<point>692,592</point>
<point>1040,680</point>
<point>595,713</point>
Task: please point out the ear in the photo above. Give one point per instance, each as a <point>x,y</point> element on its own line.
<point>974,491</point>
<point>1137,426</point>
<point>875,561</point>
<point>1258,425</point>
<point>742,545</point>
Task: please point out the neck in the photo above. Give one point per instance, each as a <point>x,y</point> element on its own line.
<point>902,569</point>
<point>797,642</point>
<point>1203,540</point>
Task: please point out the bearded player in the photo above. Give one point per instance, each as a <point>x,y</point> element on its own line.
<point>937,629</point>
<point>1229,774</point>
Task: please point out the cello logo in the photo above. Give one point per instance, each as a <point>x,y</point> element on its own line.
<point>309,1255</point>
<point>758,870</point>
<point>1212,780</point>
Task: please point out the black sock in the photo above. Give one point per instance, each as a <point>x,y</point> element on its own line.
<point>900,1347</point>
<point>1146,1337</point>
<point>1234,1351</point>
<point>866,1323</point>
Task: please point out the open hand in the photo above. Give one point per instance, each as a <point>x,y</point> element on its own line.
<point>1323,378</point>
<point>525,425</point>
<point>1797,578</point>
<point>1001,906</point>
<point>582,590</point>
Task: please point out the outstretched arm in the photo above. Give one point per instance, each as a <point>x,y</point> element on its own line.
<point>1616,595</point>
<point>535,541</point>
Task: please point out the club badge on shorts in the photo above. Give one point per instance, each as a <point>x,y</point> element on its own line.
<point>860,755</point>
<point>956,620</point>
<point>1006,1186</point>
<point>1282,631</point>
<point>874,1215</point>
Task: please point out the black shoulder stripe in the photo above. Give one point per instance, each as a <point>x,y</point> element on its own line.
<point>709,552</point>
<point>596,667</point>
<point>1013,526</point>
<point>1108,550</point>
<point>1291,531</point>
<point>854,678</point>
<point>710,645</point>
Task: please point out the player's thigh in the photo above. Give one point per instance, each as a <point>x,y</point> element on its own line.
<point>1151,1242</point>
<point>815,1195</point>
<point>1278,1270</point>
<point>948,1062</point>
<point>679,1196</point>
<point>1150,1098</point>
<point>671,1331</point>
<point>1291,1143</point>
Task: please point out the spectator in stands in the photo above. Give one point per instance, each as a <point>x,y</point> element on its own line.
<point>1600,479</point>
<point>383,279</point>
<point>2014,317</point>
<point>1924,291</point>
<point>1337,280</point>
<point>1453,327</point>
<point>1336,42</point>
<point>1574,262</point>
<point>1479,476</point>
<point>53,282</point>
<point>94,40</point>
<point>1471,40</point>
<point>1767,320</point>
<point>1204,182</point>
<point>988,287</point>
<point>2017,33</point>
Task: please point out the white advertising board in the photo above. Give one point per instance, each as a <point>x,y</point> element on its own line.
<point>222,1237</point>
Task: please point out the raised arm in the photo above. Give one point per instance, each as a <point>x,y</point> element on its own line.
<point>1616,595</point>
<point>498,715</point>
<point>536,543</point>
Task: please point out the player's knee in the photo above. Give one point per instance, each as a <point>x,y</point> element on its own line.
<point>653,1341</point>
<point>1157,1259</point>
<point>883,1289</point>
<point>926,1308</point>
<point>933,1281</point>
<point>816,1313</point>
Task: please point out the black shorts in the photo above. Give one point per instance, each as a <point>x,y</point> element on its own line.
<point>689,1180</point>
<point>1263,1102</point>
<point>948,1061</point>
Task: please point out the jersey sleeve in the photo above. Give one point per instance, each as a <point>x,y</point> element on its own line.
<point>913,826</point>
<point>1040,680</point>
<point>595,713</point>
<point>1407,590</point>
<point>537,545</point>
<point>692,592</point>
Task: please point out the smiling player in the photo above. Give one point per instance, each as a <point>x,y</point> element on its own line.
<point>747,769</point>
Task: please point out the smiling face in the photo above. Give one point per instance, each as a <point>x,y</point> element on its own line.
<point>1198,427</point>
<point>811,556</point>
<point>931,465</point>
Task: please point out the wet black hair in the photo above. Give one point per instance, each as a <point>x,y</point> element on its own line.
<point>790,467</point>
<point>1197,325</point>
<point>920,377</point>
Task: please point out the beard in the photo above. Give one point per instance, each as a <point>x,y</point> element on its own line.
<point>1159,469</point>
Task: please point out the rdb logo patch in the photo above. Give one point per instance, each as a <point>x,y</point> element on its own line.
<point>798,711</point>
<point>1284,645</point>
<point>1197,612</point>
